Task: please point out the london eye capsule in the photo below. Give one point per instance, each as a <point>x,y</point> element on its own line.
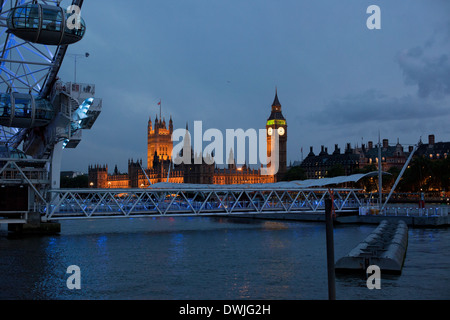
<point>19,110</point>
<point>44,24</point>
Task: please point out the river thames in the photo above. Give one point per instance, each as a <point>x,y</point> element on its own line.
<point>210,259</point>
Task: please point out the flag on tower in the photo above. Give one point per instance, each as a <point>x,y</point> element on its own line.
<point>159,104</point>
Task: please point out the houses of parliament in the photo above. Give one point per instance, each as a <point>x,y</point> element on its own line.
<point>161,168</point>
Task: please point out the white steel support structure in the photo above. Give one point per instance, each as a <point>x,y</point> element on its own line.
<point>114,203</point>
<point>39,114</point>
<point>30,175</point>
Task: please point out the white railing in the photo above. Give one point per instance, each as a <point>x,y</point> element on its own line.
<point>441,211</point>
<point>104,203</point>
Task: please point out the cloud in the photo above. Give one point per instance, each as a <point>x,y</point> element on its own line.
<point>373,105</point>
<point>430,74</point>
<point>428,66</point>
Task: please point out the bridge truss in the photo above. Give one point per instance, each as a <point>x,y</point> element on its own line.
<point>115,203</point>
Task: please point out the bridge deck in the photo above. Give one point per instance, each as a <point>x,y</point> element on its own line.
<point>15,221</point>
<point>107,203</point>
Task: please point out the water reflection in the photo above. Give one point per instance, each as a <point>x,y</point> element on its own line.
<point>202,258</point>
<point>102,248</point>
<point>176,250</point>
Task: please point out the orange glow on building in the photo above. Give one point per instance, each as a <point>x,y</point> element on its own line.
<point>160,167</point>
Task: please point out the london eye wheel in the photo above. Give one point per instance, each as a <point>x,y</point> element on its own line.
<point>40,114</point>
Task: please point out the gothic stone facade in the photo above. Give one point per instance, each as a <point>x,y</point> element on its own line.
<point>160,167</point>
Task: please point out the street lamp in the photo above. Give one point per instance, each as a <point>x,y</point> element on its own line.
<point>76,56</point>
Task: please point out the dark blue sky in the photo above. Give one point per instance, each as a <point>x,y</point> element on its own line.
<point>220,61</point>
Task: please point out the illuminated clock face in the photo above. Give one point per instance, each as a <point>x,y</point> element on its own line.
<point>269,131</point>
<point>280,131</point>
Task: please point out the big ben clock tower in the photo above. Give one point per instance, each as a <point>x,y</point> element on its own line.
<point>276,125</point>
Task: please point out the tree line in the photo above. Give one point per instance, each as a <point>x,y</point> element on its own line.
<point>81,182</point>
<point>422,175</point>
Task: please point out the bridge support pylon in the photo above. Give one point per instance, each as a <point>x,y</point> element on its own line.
<point>34,226</point>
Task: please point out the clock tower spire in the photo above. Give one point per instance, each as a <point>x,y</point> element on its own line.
<point>276,125</point>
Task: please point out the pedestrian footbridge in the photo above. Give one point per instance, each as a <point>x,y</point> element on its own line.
<point>166,199</point>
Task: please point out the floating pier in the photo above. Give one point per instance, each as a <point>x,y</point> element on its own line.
<point>385,247</point>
